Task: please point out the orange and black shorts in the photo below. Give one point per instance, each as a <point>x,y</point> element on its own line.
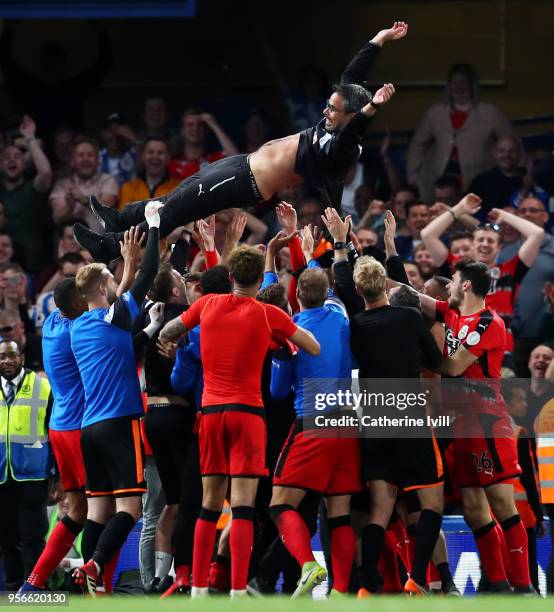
<point>113,456</point>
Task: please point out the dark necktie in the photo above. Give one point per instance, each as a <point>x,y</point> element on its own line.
<point>10,395</point>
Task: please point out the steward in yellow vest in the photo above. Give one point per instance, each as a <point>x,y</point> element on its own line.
<point>25,461</point>
<point>24,448</point>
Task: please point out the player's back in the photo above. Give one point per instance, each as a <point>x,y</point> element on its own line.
<point>235,335</point>
<point>331,329</point>
<point>389,342</point>
<point>63,373</point>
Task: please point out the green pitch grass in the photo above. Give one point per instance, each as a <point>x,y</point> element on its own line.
<point>281,604</point>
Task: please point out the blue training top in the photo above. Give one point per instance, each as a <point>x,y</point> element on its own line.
<point>331,328</point>
<point>62,372</point>
<point>103,347</point>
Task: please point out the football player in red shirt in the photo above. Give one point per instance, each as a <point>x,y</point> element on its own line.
<point>236,332</point>
<point>484,448</point>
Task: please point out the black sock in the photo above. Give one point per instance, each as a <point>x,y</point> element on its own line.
<point>373,538</point>
<point>427,532</point>
<point>113,537</point>
<point>445,574</point>
<point>91,534</point>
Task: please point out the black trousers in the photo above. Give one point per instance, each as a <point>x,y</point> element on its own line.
<point>226,183</point>
<point>189,506</point>
<point>23,527</point>
<point>169,432</point>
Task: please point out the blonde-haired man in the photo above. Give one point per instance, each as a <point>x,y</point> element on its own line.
<point>102,343</point>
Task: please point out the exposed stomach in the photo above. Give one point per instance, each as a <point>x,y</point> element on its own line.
<point>273,165</point>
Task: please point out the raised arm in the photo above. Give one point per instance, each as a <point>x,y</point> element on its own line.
<point>358,68</point>
<point>43,178</point>
<point>227,145</point>
<point>533,234</point>
<point>431,233</point>
<point>130,251</point>
<point>151,260</point>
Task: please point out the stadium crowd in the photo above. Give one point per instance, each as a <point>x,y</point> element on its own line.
<point>143,388</point>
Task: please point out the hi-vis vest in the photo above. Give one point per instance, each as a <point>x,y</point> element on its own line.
<point>523,506</point>
<point>544,428</point>
<point>24,448</point>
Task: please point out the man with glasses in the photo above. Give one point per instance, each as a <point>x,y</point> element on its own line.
<point>319,157</point>
<point>505,277</point>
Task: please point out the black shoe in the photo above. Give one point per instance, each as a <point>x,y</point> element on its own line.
<point>102,248</point>
<point>257,588</point>
<point>500,588</point>
<point>165,583</point>
<point>451,590</point>
<point>152,586</point>
<point>107,216</point>
<point>528,590</point>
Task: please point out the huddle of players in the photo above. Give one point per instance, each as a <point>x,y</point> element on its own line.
<point>236,333</point>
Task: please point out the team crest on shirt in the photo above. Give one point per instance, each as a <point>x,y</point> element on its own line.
<point>495,272</point>
<point>463,332</point>
<point>473,338</point>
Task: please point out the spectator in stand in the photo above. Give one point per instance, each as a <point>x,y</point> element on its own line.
<point>510,238</point>
<point>6,248</point>
<point>447,190</point>
<point>414,275</point>
<point>12,328</point>
<point>309,213</point>
<point>352,181</point>
<point>68,266</point>
<point>505,277</point>
<point>256,131</point>
<point>367,237</point>
<point>153,181</point>
<point>118,158</point>
<point>23,198</point>
<point>3,218</point>
<point>530,304</point>
<point>66,244</point>
<point>397,205</point>
<point>424,261</point>
<point>69,197</point>
<point>195,154</point>
<point>496,186</point>
<point>62,150</point>
<point>417,217</point>
<point>455,137</point>
<point>155,125</point>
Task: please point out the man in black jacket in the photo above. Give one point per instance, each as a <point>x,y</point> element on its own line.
<point>319,156</point>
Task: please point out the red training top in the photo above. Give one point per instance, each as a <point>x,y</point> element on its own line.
<point>235,335</point>
<point>181,167</point>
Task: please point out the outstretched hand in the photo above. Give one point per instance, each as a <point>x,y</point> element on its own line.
<point>337,227</point>
<point>280,240</point>
<point>398,30</point>
<point>383,95</point>
<point>206,229</point>
<point>286,215</point>
<point>131,245</point>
